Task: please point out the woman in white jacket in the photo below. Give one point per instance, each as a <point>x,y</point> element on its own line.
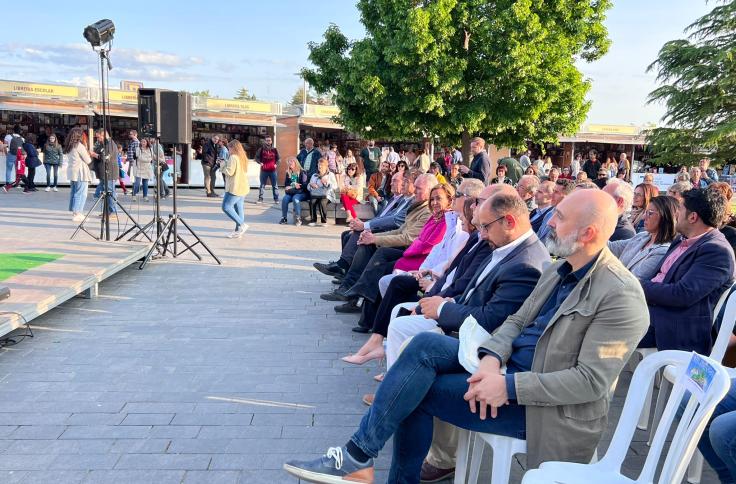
<point>142,169</point>
<point>77,172</point>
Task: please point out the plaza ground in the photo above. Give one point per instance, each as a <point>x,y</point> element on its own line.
<point>188,371</point>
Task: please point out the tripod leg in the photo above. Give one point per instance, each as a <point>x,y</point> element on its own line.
<point>136,225</point>
<point>86,216</point>
<point>154,247</point>
<point>170,225</point>
<point>143,230</point>
<point>189,248</point>
<point>200,240</point>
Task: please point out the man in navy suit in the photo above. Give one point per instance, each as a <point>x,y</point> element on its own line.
<point>697,269</point>
<point>498,288</point>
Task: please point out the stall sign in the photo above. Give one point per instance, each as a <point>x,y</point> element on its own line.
<point>123,96</point>
<point>611,129</point>
<point>661,180</point>
<point>239,105</point>
<point>326,111</point>
<point>38,90</point>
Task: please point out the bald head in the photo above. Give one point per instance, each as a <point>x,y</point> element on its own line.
<point>582,224</point>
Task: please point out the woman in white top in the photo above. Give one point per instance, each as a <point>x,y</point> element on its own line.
<point>353,184</point>
<point>77,172</point>
<point>320,187</point>
<point>142,168</point>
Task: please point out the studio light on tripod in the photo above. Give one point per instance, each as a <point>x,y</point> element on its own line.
<point>100,32</point>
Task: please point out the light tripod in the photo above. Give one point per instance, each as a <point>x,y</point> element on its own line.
<point>107,197</point>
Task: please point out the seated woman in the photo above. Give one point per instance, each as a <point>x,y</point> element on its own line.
<point>643,253</point>
<point>436,170</point>
<point>643,193</point>
<point>727,226</point>
<point>501,176</point>
<point>321,185</point>
<point>295,184</point>
<point>405,288</point>
<point>353,184</point>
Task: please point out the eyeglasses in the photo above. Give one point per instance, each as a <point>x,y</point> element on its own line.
<point>650,212</point>
<point>484,227</point>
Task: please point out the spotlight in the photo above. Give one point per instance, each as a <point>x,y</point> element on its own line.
<point>100,32</point>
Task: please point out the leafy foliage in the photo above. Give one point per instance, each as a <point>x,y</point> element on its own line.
<point>205,93</point>
<point>501,68</point>
<point>698,77</point>
<point>245,95</point>
<point>312,98</point>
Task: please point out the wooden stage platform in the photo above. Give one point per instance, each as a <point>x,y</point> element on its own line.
<point>82,266</point>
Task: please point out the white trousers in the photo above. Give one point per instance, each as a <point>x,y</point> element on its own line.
<point>401,330</point>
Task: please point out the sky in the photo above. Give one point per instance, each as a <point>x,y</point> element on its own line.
<point>185,45</point>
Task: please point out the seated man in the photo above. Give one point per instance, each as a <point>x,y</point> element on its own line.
<point>391,217</point>
<point>563,350</point>
<point>691,278</point>
<point>563,187</point>
<point>499,287</point>
<point>543,200</point>
<point>369,243</point>
<point>527,189</point>
<point>623,195</point>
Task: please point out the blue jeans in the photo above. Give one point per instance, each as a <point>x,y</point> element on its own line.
<point>232,205</point>
<point>111,187</point>
<point>9,169</point>
<point>137,186</point>
<point>265,176</point>
<point>78,196</point>
<point>426,381</point>
<point>297,198</point>
<point>98,190</point>
<point>718,443</point>
<point>55,170</point>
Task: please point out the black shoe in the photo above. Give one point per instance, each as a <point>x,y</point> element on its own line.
<point>337,281</point>
<point>335,295</point>
<point>331,269</point>
<point>350,307</point>
<point>361,330</point>
<point>283,221</point>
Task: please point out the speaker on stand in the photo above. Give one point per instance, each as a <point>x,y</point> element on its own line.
<point>168,116</point>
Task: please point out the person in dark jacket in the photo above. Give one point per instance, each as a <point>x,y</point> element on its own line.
<point>308,157</point>
<point>698,268</point>
<point>210,151</point>
<point>592,165</point>
<point>32,162</point>
<point>105,158</point>
<point>623,195</point>
<point>52,158</point>
<point>480,166</point>
<point>295,183</point>
<point>268,157</point>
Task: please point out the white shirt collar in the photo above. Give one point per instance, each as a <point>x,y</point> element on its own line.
<point>501,252</point>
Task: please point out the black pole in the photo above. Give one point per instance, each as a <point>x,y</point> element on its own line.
<point>106,202</point>
<point>174,183</point>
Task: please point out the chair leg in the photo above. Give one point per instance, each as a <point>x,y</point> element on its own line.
<point>502,458</point>
<point>695,469</point>
<point>475,462</point>
<point>463,448</point>
<point>644,417</point>
<point>662,396</point>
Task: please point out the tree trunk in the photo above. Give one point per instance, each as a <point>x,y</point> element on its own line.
<point>466,147</point>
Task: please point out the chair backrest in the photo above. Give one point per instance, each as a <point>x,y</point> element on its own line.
<point>727,322</point>
<point>689,429</point>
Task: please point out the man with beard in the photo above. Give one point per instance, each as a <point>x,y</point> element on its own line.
<point>562,350</point>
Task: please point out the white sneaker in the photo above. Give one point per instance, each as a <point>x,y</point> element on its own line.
<point>244,228</point>
<point>48,189</point>
<point>56,189</point>
<point>311,224</point>
<point>232,235</point>
<point>78,218</point>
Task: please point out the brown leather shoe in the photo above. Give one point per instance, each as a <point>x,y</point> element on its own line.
<point>368,398</point>
<point>432,474</point>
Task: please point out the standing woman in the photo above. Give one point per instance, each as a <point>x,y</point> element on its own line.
<point>321,184</point>
<point>142,167</point>
<point>77,172</point>
<point>32,162</point>
<point>52,158</point>
<point>235,170</point>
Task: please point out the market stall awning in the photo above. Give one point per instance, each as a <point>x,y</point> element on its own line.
<point>37,106</point>
<point>233,118</point>
<point>319,123</point>
<point>614,139</point>
<point>119,111</point>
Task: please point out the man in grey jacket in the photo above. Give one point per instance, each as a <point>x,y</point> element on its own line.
<point>562,351</point>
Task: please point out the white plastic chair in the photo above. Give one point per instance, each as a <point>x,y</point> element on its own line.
<point>688,430</point>
<point>643,423</point>
<point>504,449</point>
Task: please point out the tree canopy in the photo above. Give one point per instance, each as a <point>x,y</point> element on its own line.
<point>698,77</point>
<point>504,69</point>
<point>245,95</point>
<point>312,98</point>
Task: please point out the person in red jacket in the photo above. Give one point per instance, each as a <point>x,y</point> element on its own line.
<point>268,157</point>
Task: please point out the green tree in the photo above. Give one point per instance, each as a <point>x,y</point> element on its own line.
<point>245,95</point>
<point>452,68</point>
<point>297,98</point>
<point>698,77</point>
<point>205,93</point>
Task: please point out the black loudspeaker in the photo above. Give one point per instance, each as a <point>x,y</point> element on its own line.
<point>176,117</point>
<point>149,116</point>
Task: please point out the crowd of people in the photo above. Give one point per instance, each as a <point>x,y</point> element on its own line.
<point>510,305</point>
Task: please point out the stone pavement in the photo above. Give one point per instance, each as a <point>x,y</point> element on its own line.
<point>188,371</point>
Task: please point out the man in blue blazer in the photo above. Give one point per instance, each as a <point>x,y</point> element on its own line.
<point>480,166</point>
<point>391,217</point>
<point>499,286</point>
<point>697,269</point>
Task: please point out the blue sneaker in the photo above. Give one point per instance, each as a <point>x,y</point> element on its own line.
<point>337,466</point>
